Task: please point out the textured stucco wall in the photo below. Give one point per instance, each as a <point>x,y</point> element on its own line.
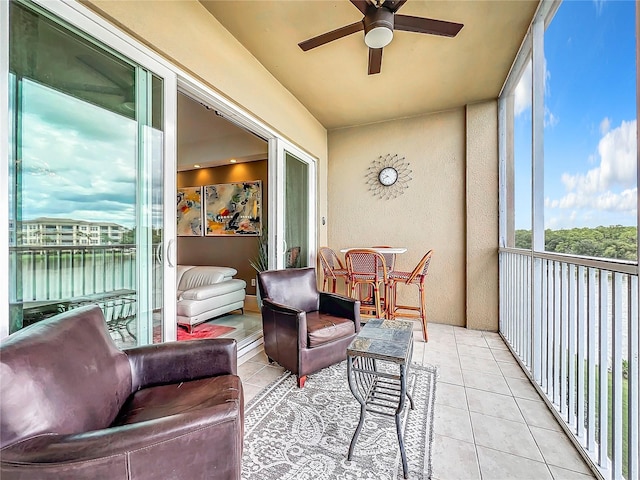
<point>482,216</point>
<point>451,205</point>
<point>429,215</point>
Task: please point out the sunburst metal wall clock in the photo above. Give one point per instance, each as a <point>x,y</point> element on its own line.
<point>388,176</point>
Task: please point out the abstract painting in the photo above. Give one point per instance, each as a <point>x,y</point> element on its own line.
<point>190,212</point>
<point>233,208</point>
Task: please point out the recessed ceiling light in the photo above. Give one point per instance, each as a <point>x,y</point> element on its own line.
<point>197,166</point>
<point>233,160</point>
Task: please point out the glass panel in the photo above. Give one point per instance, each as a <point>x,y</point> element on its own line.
<point>85,209</point>
<point>296,220</point>
<point>590,137</point>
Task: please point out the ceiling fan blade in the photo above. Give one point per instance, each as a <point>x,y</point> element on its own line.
<point>375,60</point>
<point>394,5</point>
<point>361,5</point>
<point>427,25</point>
<point>331,36</point>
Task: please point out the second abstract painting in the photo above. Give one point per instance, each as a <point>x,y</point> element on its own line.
<point>233,208</point>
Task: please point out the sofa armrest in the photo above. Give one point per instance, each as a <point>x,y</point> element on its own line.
<point>201,293</point>
<point>341,306</point>
<point>174,362</point>
<point>215,289</point>
<point>291,321</point>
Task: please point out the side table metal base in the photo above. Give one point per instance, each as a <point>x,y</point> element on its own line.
<point>378,392</point>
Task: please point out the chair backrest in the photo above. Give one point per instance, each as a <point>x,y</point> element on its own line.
<point>63,375</point>
<point>294,287</point>
<point>390,258</point>
<point>422,268</point>
<point>363,263</point>
<point>329,261</point>
<point>293,257</point>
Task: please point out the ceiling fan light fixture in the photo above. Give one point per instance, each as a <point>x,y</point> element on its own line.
<point>378,28</point>
<point>130,106</point>
<point>129,100</point>
<point>379,37</point>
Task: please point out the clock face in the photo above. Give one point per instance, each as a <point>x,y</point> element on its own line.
<point>388,176</point>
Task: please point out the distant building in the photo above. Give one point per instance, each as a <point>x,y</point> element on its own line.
<point>65,231</point>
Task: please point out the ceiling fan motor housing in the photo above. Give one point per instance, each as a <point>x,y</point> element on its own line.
<point>381,19</point>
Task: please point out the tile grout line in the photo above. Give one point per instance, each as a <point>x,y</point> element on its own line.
<point>473,435</point>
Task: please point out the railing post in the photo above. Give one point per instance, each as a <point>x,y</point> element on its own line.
<point>616,397</point>
<point>592,356</point>
<point>580,317</point>
<point>557,304</point>
<point>633,376</point>
<point>572,324</point>
<point>603,372</point>
<point>536,321</point>
<point>537,190</point>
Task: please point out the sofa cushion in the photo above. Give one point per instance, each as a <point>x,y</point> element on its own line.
<point>193,308</point>
<point>323,328</point>
<point>186,397</point>
<point>78,387</point>
<point>197,277</point>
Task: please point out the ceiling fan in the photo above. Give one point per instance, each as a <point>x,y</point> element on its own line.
<point>379,22</point>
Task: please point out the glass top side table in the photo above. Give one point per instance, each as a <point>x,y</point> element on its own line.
<point>381,390</point>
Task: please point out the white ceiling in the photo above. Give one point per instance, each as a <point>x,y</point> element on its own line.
<point>420,73</point>
<point>206,139</point>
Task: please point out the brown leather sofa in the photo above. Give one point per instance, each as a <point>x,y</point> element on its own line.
<point>305,330</point>
<point>73,406</point>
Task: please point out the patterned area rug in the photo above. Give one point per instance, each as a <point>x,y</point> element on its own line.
<point>304,434</point>
<point>204,330</point>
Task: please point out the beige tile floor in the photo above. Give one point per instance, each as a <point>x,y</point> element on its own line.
<point>490,423</point>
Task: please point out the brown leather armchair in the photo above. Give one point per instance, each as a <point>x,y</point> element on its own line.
<point>305,330</point>
<point>73,406</point>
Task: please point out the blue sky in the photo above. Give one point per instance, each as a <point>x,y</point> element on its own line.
<point>590,119</point>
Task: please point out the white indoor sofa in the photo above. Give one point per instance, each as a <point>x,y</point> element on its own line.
<point>205,292</point>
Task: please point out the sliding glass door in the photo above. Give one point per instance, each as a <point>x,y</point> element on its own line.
<point>90,219</point>
<point>295,208</point>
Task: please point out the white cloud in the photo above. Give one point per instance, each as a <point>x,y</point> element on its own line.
<point>79,162</point>
<point>550,120</point>
<point>523,91</point>
<point>625,201</point>
<point>612,185</point>
<point>599,4</point>
<point>618,163</point>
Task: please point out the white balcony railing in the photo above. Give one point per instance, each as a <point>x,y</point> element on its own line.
<point>573,321</point>
<point>58,272</point>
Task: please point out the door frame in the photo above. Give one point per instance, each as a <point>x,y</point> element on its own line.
<point>4,165</point>
<point>97,28</point>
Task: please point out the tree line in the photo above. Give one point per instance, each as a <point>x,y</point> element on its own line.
<point>614,241</point>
